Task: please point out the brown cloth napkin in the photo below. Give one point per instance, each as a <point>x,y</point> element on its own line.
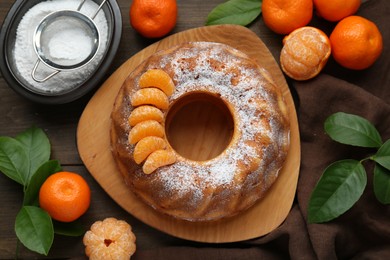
<point>364,231</point>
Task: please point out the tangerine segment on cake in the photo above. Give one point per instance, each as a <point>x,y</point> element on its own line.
<point>238,177</point>
<point>146,146</point>
<point>144,129</point>
<point>143,113</point>
<point>159,79</point>
<point>150,96</point>
<point>158,159</point>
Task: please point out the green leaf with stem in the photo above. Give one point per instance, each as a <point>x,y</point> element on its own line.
<point>382,184</point>
<point>37,146</point>
<point>34,228</point>
<point>241,12</point>
<point>338,189</point>
<point>352,130</point>
<point>37,179</point>
<point>14,160</point>
<point>383,155</point>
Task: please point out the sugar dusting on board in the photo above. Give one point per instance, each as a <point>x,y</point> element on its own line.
<point>62,47</point>
<point>196,71</point>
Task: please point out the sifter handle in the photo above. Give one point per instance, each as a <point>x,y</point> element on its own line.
<point>97,11</point>
<point>44,79</point>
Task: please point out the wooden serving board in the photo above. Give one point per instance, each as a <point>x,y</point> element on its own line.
<point>93,140</point>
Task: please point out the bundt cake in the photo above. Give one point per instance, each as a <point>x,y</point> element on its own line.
<point>200,190</point>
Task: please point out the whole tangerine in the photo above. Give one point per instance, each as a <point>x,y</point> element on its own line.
<point>356,42</point>
<point>305,52</point>
<point>284,16</point>
<point>335,10</point>
<point>153,18</point>
<point>65,196</point>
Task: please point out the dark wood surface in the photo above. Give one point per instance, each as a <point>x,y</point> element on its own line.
<point>60,124</point>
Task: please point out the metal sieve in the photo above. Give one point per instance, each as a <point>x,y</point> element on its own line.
<point>69,24</point>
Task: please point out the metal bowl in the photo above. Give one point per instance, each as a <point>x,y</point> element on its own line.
<point>21,86</point>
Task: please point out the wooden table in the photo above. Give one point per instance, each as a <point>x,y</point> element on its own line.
<point>60,124</point>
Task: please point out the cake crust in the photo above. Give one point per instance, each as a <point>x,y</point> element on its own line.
<point>238,177</point>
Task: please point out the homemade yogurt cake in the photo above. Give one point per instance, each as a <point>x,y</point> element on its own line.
<point>210,189</point>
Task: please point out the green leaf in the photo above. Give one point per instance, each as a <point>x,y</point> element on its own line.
<point>340,186</point>
<point>72,229</point>
<point>34,228</point>
<point>14,161</point>
<point>382,184</point>
<point>37,146</point>
<point>352,130</point>
<point>241,12</point>
<point>37,179</point>
<point>383,155</point>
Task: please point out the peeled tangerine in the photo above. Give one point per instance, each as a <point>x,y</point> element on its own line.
<point>305,52</point>
<point>109,239</point>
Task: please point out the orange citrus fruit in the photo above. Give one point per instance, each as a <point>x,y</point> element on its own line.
<point>146,146</point>
<point>153,18</point>
<point>65,196</point>
<point>284,16</point>
<point>144,129</point>
<point>150,96</point>
<point>158,159</point>
<point>159,79</point>
<point>109,239</point>
<point>305,52</point>
<point>143,113</point>
<point>335,10</point>
<point>356,42</point>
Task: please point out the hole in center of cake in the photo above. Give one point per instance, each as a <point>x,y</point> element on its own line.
<point>199,126</point>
